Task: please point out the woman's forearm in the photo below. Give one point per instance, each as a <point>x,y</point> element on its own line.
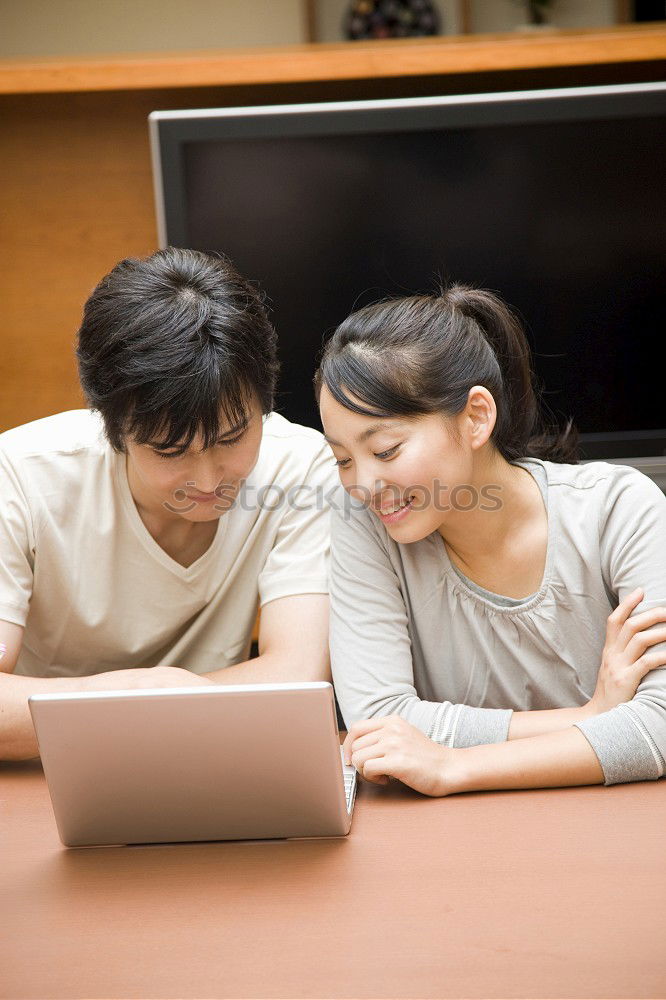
<point>546,761</point>
<point>524,725</point>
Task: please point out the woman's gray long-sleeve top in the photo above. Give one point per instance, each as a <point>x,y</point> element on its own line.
<point>410,636</point>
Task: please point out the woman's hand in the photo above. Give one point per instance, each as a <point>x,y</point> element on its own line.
<point>627,655</point>
<point>389,747</point>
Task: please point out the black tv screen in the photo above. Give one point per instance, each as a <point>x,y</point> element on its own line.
<point>554,199</point>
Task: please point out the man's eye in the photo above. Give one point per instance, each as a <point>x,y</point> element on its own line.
<point>387,454</point>
<point>230,441</point>
<point>168,454</point>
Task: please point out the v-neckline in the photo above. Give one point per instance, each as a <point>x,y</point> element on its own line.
<point>186,573</point>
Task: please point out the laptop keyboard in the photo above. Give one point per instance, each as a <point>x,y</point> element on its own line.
<point>349,775</point>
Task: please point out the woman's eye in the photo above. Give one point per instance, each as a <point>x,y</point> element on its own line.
<point>342,463</point>
<point>168,454</point>
<point>387,454</point>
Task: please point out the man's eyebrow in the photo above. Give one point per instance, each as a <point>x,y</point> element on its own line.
<point>230,432</point>
<point>235,430</point>
<point>367,433</point>
<point>160,446</point>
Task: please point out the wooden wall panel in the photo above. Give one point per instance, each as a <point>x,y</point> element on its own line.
<point>76,196</point>
<point>76,192</point>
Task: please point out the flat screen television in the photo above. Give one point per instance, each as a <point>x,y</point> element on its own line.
<point>556,199</point>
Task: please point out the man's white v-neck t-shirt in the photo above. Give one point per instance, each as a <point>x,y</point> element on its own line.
<point>93,589</point>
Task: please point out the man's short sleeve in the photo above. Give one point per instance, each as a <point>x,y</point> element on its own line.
<point>17,545</point>
<point>298,561</point>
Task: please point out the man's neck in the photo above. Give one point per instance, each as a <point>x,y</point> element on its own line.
<point>183,541</point>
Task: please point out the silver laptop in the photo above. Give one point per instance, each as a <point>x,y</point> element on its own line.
<point>202,763</point>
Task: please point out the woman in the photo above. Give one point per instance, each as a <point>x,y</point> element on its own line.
<point>496,617</point>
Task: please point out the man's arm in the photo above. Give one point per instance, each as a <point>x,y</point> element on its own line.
<point>293,644</point>
<point>17,735</point>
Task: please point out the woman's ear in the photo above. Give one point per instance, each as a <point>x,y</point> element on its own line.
<point>480,416</point>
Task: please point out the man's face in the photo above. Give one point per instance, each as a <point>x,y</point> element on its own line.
<point>196,484</point>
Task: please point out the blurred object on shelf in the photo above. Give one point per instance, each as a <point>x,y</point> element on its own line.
<point>536,11</point>
<point>368,19</point>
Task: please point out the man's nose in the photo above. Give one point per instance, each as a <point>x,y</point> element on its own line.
<point>209,472</point>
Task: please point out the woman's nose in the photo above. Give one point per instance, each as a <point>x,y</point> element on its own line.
<point>366,484</point>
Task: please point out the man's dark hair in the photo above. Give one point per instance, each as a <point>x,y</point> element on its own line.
<point>173,346</point>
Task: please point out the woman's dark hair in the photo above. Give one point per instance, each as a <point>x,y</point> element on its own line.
<point>423,354</point>
<point>171,344</point>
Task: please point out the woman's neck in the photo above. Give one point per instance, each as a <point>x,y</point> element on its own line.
<point>501,545</point>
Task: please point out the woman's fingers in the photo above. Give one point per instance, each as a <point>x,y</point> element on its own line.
<point>366,741</point>
<point>618,617</point>
<point>368,763</point>
<point>359,758</point>
<point>375,771</point>
<point>646,619</point>
<point>360,729</point>
<point>644,640</point>
<point>649,661</point>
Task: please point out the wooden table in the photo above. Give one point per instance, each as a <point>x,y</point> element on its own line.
<point>556,893</point>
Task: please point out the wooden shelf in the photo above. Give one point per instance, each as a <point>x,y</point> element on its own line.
<point>347,61</point>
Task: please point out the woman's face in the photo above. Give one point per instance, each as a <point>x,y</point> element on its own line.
<point>197,485</point>
<point>413,472</point>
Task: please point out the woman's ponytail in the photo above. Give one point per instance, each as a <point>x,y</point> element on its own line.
<point>520,430</point>
<point>423,354</point>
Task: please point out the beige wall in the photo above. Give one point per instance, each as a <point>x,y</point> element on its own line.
<point>72,27</point>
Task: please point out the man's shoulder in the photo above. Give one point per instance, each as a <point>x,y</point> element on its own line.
<point>283,440</point>
<point>278,428</point>
<point>292,455</point>
<point>68,433</point>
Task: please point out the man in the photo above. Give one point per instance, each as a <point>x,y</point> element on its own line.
<point>138,537</point>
